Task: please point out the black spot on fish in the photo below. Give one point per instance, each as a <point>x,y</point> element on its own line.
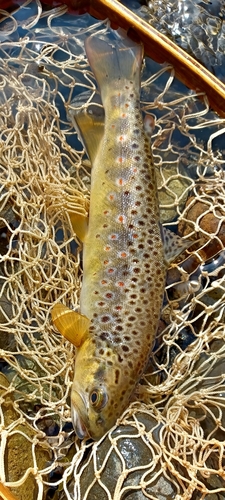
<point>117,374</point>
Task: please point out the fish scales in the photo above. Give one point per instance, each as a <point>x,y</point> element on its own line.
<point>123,255</point>
<point>123,281</point>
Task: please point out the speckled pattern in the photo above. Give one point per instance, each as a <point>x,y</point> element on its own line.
<point>124,269</point>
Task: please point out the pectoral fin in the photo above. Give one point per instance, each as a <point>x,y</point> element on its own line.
<point>72,325</point>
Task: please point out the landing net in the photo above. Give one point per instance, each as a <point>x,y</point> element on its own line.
<point>170,441</point>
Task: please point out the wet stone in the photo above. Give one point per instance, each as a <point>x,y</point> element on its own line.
<point>170,188</point>
<point>8,214</point>
<point>18,455</point>
<point>209,220</point>
<point>213,482</point>
<point>133,449</point>
<point>7,340</point>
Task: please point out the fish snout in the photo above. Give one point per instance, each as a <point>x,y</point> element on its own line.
<point>78,415</point>
<point>78,424</point>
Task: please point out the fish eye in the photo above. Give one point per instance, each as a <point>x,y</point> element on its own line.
<point>98,399</point>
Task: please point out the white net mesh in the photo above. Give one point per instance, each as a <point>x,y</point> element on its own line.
<point>170,441</point>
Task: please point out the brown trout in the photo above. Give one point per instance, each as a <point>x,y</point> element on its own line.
<point>124,265</point>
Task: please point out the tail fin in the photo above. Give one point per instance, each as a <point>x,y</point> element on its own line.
<point>111,63</point>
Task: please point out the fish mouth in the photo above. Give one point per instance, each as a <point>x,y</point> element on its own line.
<point>78,408</point>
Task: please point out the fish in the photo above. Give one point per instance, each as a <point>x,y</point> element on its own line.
<point>125,250</point>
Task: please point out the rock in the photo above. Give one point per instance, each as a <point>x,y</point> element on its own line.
<point>124,464</point>
<point>172,190</point>
<point>18,450</point>
<point>203,415</point>
<point>8,214</point>
<point>202,218</point>
<point>7,339</point>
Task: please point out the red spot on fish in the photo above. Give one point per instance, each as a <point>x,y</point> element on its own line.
<point>120,283</point>
<point>121,138</point>
<point>113,126</point>
<point>123,115</point>
<point>111,270</point>
<point>120,159</point>
<point>111,197</point>
<point>113,236</point>
<point>135,170</point>
<point>118,308</point>
<point>121,219</point>
<point>123,255</point>
<point>107,248</point>
<point>126,105</point>
<point>103,282</point>
<point>135,235</point>
<point>106,262</point>
<point>121,182</point>
<point>106,212</point>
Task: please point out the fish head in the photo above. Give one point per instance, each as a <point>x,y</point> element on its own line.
<point>99,392</point>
